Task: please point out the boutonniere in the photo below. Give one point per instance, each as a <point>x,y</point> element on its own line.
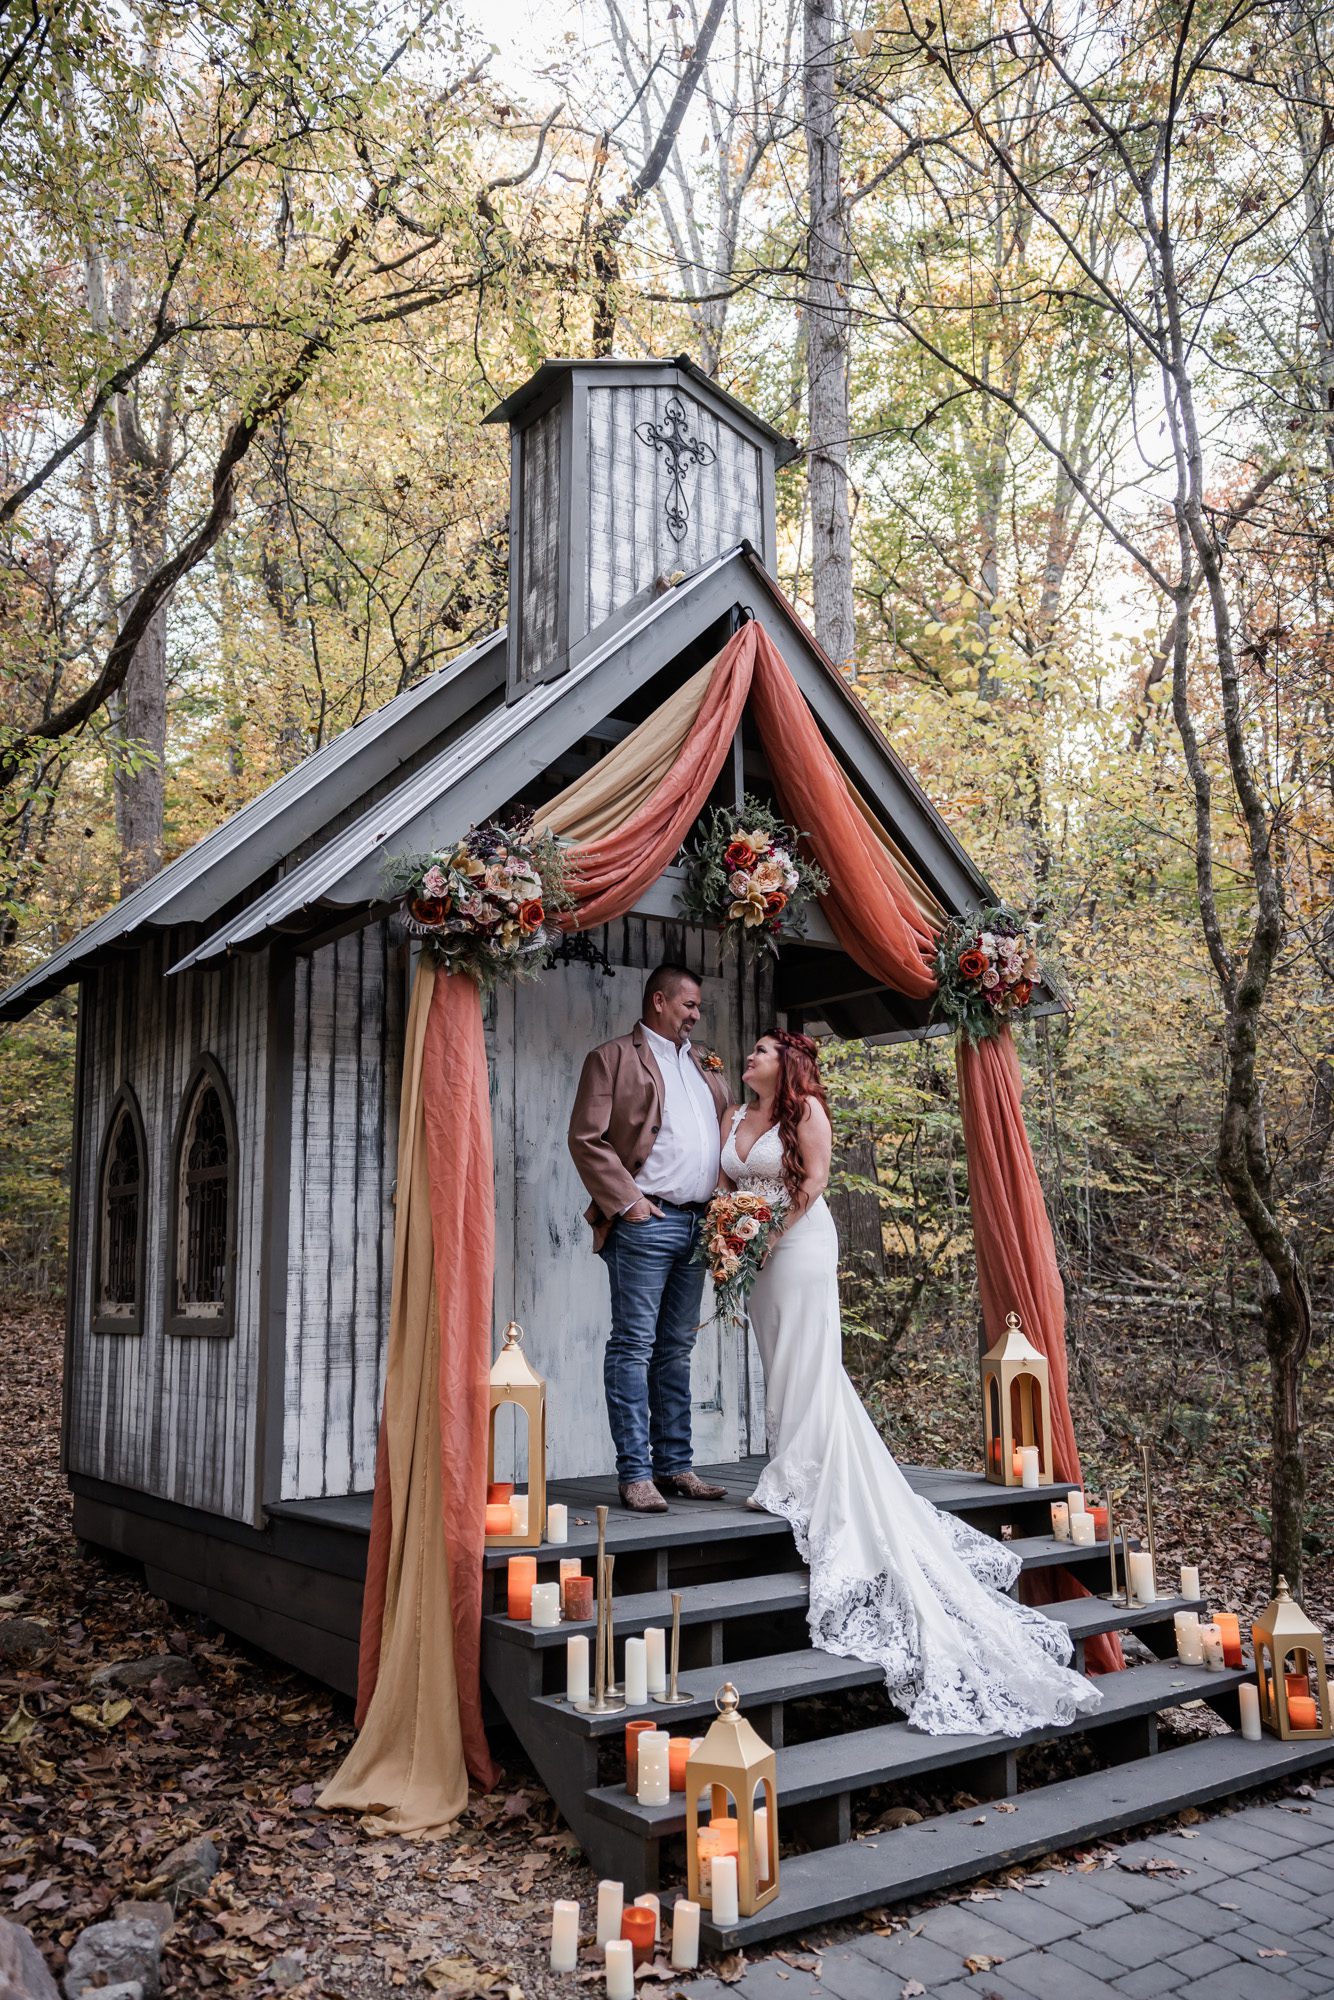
<point>710,1059</point>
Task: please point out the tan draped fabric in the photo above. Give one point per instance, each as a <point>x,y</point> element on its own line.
<point>616,786</point>
<point>418,1706</point>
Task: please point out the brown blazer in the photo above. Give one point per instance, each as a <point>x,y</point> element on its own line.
<point>617,1111</point>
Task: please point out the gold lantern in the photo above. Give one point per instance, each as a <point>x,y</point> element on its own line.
<point>1284,1633</point>
<point>1016,1405</point>
<point>734,1761</point>
<point>514,1384</point>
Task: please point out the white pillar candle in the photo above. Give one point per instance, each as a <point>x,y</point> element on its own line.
<point>569,1566</point>
<point>655,1658</point>
<point>685,1935</point>
<point>620,1969</point>
<point>1190,1649</point>
<point>1060,1520</point>
<point>650,1902</point>
<point>519,1514</point>
<point>1142,1587</point>
<point>763,1870</point>
<point>1074,1500</point>
<point>611,1904</point>
<point>1211,1639</point>
<point>564,1937</point>
<point>726,1909</point>
<point>1031,1466</point>
<point>576,1667</point>
<point>558,1523</point>
<point>636,1673</point>
<point>1190,1580</point>
<point>1082,1531</point>
<point>1248,1694</point>
<point>546,1604</point>
<point>655,1788</point>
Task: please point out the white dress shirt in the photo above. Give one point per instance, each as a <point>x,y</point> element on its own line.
<point>682,1165</point>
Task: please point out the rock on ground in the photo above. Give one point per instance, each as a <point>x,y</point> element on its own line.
<point>23,1973</point>
<point>125,1951</point>
<point>173,1668</point>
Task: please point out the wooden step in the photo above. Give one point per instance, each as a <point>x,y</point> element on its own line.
<point>1046,1552</point>
<point>755,1597</point>
<point>913,1861</point>
<point>894,1752</point>
<point>775,1679</point>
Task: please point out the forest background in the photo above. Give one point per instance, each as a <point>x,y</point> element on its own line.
<point>1046,295</point>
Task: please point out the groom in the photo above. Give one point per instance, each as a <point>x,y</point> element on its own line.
<point>644,1134</point>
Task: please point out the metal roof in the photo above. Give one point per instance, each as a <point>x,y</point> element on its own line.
<point>506,750</point>
<point>292,810</point>
<point>538,384</point>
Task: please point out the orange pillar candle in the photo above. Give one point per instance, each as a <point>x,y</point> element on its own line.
<point>1302,1711</point>
<point>1296,1684</point>
<point>633,1732</point>
<point>678,1756</point>
<point>709,1848</point>
<point>498,1519</point>
<point>1229,1627</point>
<point>499,1492</point>
<point>520,1578</point>
<point>640,1927</point>
<point>1099,1514</point>
<point>727,1832</point>
<point>1017,1463</point>
<point>578,1597</point>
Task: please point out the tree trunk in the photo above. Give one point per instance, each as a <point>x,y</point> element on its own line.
<point>141,728</point>
<point>828,339</point>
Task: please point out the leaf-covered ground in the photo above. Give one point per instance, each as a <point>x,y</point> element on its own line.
<point>97,1785</point>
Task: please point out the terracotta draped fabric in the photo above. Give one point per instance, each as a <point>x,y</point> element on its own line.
<point>419,1687</point>
<point>881,916</point>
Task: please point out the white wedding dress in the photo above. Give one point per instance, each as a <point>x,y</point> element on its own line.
<point>892,1580</point>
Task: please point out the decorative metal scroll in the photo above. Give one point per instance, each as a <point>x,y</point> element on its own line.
<point>672,438</point>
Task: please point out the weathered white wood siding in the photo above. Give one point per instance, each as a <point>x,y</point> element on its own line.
<point>346,1071</point>
<point>540,525</point>
<point>547,1276</point>
<point>172,1415</point>
<point>629,542</point>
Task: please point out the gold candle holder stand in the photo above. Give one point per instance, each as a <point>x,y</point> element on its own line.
<point>674,1696</point>
<point>606,1695</point>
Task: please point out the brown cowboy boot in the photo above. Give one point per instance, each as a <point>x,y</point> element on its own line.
<point>641,1496</point>
<point>689,1486</point>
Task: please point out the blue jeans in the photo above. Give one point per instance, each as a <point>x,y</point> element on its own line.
<point>656,1291</point>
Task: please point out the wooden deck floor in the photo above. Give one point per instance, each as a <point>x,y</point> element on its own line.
<point>956,1492</point>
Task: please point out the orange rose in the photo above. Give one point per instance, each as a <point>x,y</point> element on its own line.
<point>739,855</point>
<point>972,963</point>
<point>531,916</point>
<point>775,901</point>
<point>429,909</point>
<point>1022,991</point>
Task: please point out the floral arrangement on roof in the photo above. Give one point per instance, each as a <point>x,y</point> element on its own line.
<point>987,968</point>
<point>488,905</point>
<point>746,877</point>
<point>738,1228</point>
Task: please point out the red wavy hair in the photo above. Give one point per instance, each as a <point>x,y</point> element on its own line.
<point>798,1079</point>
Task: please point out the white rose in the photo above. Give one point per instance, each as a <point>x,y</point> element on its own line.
<point>745,1227</point>
<point>990,978</point>
<point>738,882</point>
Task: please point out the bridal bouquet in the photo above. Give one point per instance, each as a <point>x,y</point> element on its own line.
<point>987,965</point>
<point>746,877</point>
<point>487,905</point>
<point>737,1231</point>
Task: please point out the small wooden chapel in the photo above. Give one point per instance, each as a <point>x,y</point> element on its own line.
<point>241,1032</point>
<point>241,1016</point>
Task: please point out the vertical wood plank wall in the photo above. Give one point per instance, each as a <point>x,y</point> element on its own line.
<point>346,1072</point>
<point>547,1276</point>
<point>540,520</point>
<point>172,1415</point>
<point>628,542</point>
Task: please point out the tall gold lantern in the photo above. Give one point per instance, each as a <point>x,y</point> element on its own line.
<point>514,1384</point>
<point>734,1759</point>
<point>1016,1405</point>
<point>1281,1633</point>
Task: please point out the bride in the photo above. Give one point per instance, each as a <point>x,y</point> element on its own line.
<point>892,1581</point>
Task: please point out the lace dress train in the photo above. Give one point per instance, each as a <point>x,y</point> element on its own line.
<point>892,1580</point>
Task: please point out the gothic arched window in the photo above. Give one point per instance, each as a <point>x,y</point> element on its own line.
<point>118,1247</point>
<point>204,1203</point>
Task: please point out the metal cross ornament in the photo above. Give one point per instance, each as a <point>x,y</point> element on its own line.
<point>672,438</point>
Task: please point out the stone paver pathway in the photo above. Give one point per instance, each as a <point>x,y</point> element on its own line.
<point>1252,1919</point>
